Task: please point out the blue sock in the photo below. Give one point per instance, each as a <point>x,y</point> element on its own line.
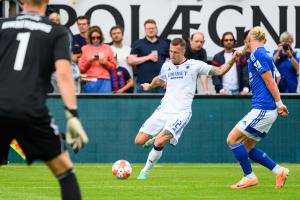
<point>242,156</point>
<point>262,158</point>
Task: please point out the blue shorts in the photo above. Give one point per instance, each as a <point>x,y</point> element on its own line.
<point>99,86</point>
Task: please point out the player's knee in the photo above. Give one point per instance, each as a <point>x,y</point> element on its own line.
<point>138,140</point>
<point>160,142</point>
<point>230,141</point>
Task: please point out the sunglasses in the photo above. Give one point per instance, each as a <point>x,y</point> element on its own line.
<point>228,40</point>
<point>96,37</point>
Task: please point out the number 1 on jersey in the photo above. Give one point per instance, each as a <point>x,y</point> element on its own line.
<point>23,39</point>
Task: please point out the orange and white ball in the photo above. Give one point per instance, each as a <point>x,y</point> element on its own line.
<point>121,169</point>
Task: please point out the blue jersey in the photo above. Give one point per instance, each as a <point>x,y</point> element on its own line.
<point>289,76</point>
<point>259,63</point>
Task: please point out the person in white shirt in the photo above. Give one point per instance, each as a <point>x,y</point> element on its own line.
<point>173,114</point>
<point>121,51</point>
<point>236,81</point>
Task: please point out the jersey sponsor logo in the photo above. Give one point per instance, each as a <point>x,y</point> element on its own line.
<point>257,65</point>
<point>177,74</point>
<point>27,24</point>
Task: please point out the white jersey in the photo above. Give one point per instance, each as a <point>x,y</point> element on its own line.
<point>121,55</point>
<point>181,84</point>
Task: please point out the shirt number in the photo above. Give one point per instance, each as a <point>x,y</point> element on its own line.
<point>23,39</point>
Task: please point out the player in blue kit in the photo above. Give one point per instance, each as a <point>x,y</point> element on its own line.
<point>266,106</point>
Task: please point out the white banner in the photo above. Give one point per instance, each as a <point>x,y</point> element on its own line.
<point>181,18</point>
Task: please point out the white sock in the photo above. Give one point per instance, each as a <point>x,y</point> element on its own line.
<point>251,175</point>
<point>152,159</point>
<point>277,169</point>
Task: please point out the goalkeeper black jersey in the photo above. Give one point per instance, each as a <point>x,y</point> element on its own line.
<point>29,46</point>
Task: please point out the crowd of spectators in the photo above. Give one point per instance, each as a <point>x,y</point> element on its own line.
<point>113,67</point>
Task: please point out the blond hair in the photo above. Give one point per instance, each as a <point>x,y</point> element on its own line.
<point>258,33</point>
<point>54,17</point>
<point>285,36</point>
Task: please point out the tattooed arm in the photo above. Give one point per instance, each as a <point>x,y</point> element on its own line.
<point>219,71</point>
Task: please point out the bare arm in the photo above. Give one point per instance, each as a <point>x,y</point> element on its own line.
<point>66,83</point>
<point>219,71</point>
<point>128,85</point>
<point>156,82</point>
<point>204,83</point>
<point>272,87</point>
<point>135,60</point>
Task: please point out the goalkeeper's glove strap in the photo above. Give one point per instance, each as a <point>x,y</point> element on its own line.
<point>73,112</point>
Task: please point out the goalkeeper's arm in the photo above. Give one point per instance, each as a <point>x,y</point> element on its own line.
<point>75,134</point>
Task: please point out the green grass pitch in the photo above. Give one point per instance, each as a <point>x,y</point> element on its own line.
<point>166,181</point>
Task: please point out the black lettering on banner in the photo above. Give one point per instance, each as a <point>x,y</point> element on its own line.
<point>259,18</point>
<point>113,11</point>
<point>184,10</point>
<point>186,25</point>
<point>71,13</point>
<point>135,22</point>
<point>212,25</point>
<point>240,31</point>
<point>297,25</point>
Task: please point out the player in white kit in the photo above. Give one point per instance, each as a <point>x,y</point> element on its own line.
<point>173,114</point>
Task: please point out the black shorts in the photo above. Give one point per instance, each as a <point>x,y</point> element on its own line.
<point>38,138</point>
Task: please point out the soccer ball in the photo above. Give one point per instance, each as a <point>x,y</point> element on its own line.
<point>121,169</point>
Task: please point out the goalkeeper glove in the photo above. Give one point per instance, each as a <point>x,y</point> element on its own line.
<point>75,134</point>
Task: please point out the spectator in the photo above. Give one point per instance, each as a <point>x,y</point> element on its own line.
<point>83,24</point>
<point>236,81</point>
<point>195,50</point>
<point>76,54</point>
<point>96,63</point>
<point>53,88</point>
<point>121,81</point>
<point>54,17</point>
<point>122,77</point>
<point>148,55</point>
<point>287,62</point>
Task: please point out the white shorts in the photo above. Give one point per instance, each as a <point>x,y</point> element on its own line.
<point>174,123</point>
<point>257,123</point>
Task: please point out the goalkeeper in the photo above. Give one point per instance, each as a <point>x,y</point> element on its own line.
<point>31,49</point>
